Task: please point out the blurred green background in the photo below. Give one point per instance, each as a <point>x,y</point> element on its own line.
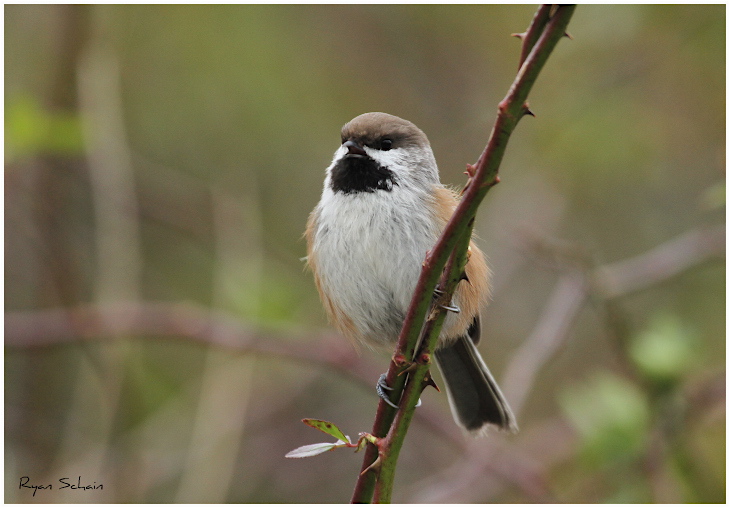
<point>163,339</point>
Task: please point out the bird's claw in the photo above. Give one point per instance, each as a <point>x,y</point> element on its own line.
<point>451,308</point>
<point>381,386</point>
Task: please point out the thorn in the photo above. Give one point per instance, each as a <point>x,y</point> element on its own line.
<point>526,110</point>
<point>412,366</point>
<point>470,172</point>
<point>375,467</point>
<point>428,381</point>
<point>466,186</point>
<point>432,314</point>
<point>519,35</point>
<point>566,34</point>
<point>426,259</point>
<point>494,181</point>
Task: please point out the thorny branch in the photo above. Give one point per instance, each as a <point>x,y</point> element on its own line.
<point>450,250</point>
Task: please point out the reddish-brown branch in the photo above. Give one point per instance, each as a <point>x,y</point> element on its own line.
<point>529,38</point>
<point>458,229</point>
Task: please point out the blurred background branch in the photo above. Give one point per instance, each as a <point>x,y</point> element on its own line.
<point>49,327</point>
<point>55,326</point>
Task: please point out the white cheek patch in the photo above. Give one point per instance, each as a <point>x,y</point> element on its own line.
<point>389,159</point>
<point>339,153</point>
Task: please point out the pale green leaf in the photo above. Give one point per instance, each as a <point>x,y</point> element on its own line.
<point>311,450</point>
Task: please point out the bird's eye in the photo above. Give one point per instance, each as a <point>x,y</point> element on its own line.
<point>386,144</point>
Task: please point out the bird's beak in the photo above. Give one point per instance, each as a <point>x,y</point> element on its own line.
<point>354,148</point>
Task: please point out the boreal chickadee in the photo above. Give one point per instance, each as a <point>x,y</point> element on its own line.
<point>382,208</point>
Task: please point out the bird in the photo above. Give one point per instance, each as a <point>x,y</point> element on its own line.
<point>382,208</point>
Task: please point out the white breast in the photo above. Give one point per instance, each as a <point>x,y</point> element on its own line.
<point>370,247</point>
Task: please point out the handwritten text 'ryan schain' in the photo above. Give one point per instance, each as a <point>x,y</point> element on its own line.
<point>63,483</point>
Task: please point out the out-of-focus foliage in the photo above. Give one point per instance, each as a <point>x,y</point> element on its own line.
<point>30,130</point>
<point>663,352</point>
<point>610,414</point>
<point>172,153</point>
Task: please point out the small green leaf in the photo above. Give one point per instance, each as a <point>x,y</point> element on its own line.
<point>311,450</point>
<point>328,428</point>
<point>365,438</point>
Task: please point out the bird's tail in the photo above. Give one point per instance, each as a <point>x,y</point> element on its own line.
<point>475,398</point>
